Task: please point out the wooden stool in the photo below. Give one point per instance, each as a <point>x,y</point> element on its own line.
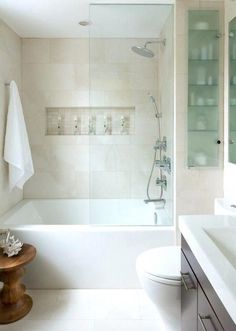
<point>14,303</point>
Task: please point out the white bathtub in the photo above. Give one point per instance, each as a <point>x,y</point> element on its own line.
<point>73,254</point>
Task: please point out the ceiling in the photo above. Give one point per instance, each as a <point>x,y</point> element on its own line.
<point>59,18</point>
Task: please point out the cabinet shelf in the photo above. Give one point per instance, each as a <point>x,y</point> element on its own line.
<point>204,30</point>
<point>203,106</point>
<point>204,85</point>
<point>203,60</point>
<point>203,131</point>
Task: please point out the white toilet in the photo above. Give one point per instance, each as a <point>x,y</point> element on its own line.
<point>159,273</point>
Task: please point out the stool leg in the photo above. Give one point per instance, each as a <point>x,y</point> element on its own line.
<point>14,303</point>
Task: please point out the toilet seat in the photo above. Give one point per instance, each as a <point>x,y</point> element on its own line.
<point>161,265</point>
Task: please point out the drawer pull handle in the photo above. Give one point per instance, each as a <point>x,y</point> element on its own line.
<point>186,286</point>
<point>202,318</point>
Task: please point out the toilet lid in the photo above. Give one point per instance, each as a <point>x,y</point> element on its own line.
<point>162,262</point>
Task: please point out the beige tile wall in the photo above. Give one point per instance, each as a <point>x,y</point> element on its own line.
<point>56,74</point>
<point>10,69</point>
<point>121,166</point>
<point>196,189</point>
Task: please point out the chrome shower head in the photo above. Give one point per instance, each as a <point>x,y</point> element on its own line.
<point>143,51</point>
<point>146,52</point>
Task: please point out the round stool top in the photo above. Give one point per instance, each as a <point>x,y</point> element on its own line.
<point>26,255</point>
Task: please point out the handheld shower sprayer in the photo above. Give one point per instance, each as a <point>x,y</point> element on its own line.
<point>153,100</point>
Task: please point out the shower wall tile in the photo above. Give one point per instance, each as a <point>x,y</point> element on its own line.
<point>69,51</point>
<point>10,69</point>
<point>35,50</point>
<point>61,158</point>
<point>181,93</point>
<point>56,74</point>
<point>110,185</point>
<point>110,140</point>
<point>120,98</point>
<point>181,54</point>
<point>58,184</point>
<point>139,181</point>
<point>45,76</point>
<point>181,134</point>
<point>111,158</point>
<point>68,98</point>
<point>141,156</point>
<point>81,72</point>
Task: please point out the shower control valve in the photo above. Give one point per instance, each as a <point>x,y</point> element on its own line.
<point>162,182</point>
<point>164,164</point>
<point>161,144</point>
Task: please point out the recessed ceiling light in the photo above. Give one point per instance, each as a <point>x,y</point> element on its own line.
<point>84,23</point>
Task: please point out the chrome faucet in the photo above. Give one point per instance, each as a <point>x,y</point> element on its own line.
<point>164,164</point>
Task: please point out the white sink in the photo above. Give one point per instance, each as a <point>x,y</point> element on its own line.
<point>225,207</point>
<point>225,239</point>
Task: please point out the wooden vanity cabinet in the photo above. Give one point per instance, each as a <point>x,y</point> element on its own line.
<point>201,308</point>
<point>188,296</point>
<point>207,319</point>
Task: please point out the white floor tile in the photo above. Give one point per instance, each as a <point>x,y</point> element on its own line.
<point>116,304</point>
<point>44,325</point>
<point>74,304</point>
<point>128,325</point>
<point>147,308</point>
<point>45,305</point>
<point>90,310</point>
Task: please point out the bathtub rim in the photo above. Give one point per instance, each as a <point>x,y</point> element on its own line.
<point>110,227</point>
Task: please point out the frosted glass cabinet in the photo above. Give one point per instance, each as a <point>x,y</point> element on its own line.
<point>203,88</point>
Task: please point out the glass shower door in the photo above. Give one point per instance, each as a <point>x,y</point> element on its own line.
<point>123,126</point>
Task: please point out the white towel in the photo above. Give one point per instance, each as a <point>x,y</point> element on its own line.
<point>17,149</point>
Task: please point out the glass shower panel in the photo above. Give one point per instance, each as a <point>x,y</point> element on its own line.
<point>123,126</point>
<point>232,92</point>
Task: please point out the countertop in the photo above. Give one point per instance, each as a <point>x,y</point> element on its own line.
<point>212,240</point>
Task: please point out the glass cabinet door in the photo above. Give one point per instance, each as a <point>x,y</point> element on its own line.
<point>203,88</point>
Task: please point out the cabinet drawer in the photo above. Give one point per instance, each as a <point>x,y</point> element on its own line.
<point>207,320</point>
<point>188,296</point>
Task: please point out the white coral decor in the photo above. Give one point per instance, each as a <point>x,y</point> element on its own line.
<point>10,245</point>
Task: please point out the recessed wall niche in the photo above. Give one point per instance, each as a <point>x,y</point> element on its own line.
<point>90,121</point>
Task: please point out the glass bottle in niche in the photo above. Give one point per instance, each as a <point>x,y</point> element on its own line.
<point>77,124</point>
<point>92,124</point>
<point>107,124</point>
<point>60,124</point>
<point>124,124</point>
